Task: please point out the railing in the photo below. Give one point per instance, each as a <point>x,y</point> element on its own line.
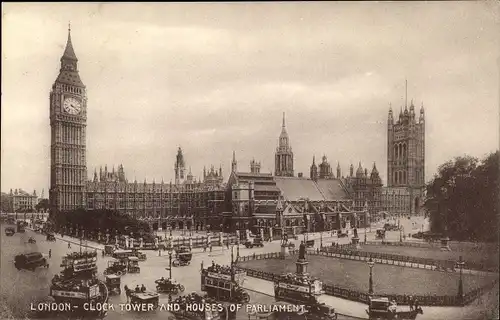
<point>350,252</point>
<point>363,297</point>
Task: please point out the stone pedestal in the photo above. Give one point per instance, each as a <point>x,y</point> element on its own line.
<point>127,242</point>
<point>355,242</point>
<point>142,243</point>
<point>301,266</point>
<point>131,242</point>
<point>271,233</point>
<point>284,252</point>
<point>445,244</point>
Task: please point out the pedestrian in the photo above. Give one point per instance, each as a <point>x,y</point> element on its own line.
<point>69,245</point>
<point>126,291</point>
<point>410,302</point>
<point>143,288</point>
<point>159,252</point>
<point>210,248</point>
<point>205,248</point>
<point>50,253</point>
<point>415,304</point>
<point>103,253</point>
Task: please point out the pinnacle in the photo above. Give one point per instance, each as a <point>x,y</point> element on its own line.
<point>69,52</point>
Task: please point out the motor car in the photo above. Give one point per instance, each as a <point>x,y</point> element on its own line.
<point>30,261</point>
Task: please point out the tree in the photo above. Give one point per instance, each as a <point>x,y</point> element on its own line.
<point>462,198</point>
<point>103,220</point>
<point>5,203</point>
<point>42,205</point>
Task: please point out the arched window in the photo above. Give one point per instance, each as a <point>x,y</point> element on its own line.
<point>404,151</point>
<point>395,151</point>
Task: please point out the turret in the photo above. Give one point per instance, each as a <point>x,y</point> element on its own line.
<point>359,171</point>
<point>101,177</point>
<point>338,170</point>
<point>390,118</point>
<point>351,170</point>
<point>421,118</point>
<point>314,170</point>
<point>95,175</point>
<point>234,164</point>
<point>412,112</point>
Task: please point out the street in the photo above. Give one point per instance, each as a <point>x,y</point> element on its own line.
<point>34,286</point>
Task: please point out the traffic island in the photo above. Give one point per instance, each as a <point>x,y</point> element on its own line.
<point>349,279</point>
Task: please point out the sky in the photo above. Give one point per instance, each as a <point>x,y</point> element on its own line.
<point>217,77</point>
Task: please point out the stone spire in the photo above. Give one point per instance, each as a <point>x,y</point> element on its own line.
<point>69,52</point>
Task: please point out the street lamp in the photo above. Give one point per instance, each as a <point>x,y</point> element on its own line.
<point>460,265</point>
<point>370,282</point>
<point>169,263</point>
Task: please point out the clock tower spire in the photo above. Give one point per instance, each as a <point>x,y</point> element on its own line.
<point>68,121</point>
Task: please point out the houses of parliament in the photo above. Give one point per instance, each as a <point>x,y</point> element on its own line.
<point>246,199</point>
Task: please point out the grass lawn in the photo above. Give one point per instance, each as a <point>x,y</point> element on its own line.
<point>488,256</point>
<point>387,279</point>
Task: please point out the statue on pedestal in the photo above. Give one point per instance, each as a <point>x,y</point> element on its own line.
<point>355,233</point>
<point>302,251</point>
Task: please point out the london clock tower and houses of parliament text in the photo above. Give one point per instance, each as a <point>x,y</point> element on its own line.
<point>68,117</point>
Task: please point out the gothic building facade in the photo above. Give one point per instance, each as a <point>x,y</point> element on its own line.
<point>68,120</point>
<point>190,204</point>
<point>405,161</point>
<point>364,189</point>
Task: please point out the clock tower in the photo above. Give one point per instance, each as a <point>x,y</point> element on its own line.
<point>68,121</point>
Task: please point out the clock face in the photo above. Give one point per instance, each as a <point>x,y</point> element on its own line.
<point>72,106</point>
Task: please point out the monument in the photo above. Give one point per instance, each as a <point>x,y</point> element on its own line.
<point>302,262</point>
<point>284,246</point>
<point>355,239</point>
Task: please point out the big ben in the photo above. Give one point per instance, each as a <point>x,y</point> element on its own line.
<point>68,117</point>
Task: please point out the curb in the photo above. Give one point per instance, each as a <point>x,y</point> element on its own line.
<point>270,295</point>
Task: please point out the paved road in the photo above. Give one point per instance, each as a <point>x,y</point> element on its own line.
<point>33,286</point>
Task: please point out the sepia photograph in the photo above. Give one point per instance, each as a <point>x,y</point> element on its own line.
<point>250,160</point>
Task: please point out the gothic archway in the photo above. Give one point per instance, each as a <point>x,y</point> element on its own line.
<point>188,225</point>
<point>155,226</point>
<point>417,205</point>
<point>172,225</point>
<point>181,225</point>
<point>164,225</point>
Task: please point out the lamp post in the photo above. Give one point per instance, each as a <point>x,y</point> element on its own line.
<point>460,265</point>
<point>169,264</point>
<point>321,239</point>
<point>365,235</point>
<point>370,281</point>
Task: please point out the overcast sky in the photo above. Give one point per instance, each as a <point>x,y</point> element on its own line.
<point>213,78</point>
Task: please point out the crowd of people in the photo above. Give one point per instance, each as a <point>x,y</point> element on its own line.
<point>62,282</point>
<point>216,268</point>
<point>293,278</point>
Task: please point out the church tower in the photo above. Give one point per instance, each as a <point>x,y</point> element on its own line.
<point>180,167</point>
<point>68,121</point>
<point>406,152</point>
<point>284,154</point>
